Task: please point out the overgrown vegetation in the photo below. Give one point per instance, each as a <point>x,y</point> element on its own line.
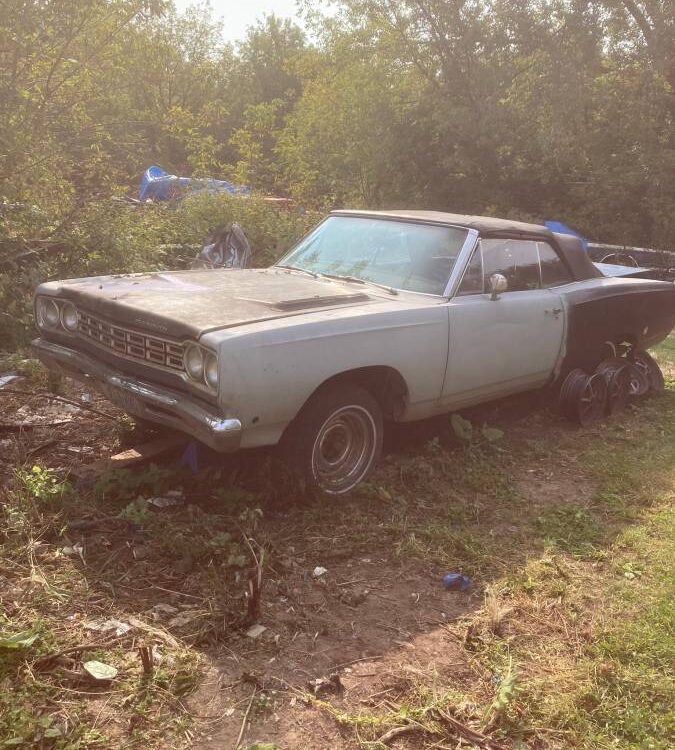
<point>552,109</point>
<point>566,642</point>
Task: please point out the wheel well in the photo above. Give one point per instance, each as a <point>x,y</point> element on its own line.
<point>385,384</point>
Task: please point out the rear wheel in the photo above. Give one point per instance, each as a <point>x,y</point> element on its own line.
<point>335,441</point>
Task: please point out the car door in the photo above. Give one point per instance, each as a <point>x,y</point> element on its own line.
<point>509,344</point>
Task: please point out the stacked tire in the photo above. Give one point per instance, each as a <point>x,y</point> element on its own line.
<point>586,398</point>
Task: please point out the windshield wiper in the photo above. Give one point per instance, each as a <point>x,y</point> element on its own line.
<point>357,280</point>
<point>302,270</point>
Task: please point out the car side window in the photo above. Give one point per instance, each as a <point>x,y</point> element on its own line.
<point>472,283</point>
<point>517,260</point>
<point>553,271</point>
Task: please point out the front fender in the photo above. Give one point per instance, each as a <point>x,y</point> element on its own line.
<point>268,371</point>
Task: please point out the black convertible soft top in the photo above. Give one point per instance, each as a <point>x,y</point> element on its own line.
<point>577,258</point>
<point>569,247</point>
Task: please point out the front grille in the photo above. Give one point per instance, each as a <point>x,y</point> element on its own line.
<point>129,343</point>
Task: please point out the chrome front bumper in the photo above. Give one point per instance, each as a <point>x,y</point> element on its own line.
<point>145,400</point>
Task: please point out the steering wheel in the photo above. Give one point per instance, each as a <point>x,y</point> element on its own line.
<point>621,259</point>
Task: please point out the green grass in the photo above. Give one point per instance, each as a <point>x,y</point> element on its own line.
<point>575,645</point>
<point>613,685</point>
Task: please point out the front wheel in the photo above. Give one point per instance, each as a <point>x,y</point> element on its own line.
<point>335,441</point>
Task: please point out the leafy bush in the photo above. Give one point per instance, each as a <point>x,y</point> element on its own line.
<point>112,237</point>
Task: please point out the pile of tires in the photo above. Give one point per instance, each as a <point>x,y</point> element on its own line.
<point>586,398</point>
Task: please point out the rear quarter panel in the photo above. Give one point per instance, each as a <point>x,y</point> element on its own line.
<point>606,312</point>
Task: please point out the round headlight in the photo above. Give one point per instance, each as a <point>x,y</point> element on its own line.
<point>194,362</point>
<point>211,370</point>
<point>69,316</point>
<point>48,312</point>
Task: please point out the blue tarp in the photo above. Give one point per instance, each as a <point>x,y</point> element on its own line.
<point>560,228</point>
<point>159,185</point>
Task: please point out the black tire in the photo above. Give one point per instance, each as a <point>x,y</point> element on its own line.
<point>648,366</point>
<point>583,397</point>
<point>616,372</point>
<point>336,439</point>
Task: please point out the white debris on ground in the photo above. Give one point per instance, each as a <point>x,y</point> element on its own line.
<point>56,413</point>
<point>8,378</point>
<point>106,626</point>
<point>255,631</point>
<point>169,499</point>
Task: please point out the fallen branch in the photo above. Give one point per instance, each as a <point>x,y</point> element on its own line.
<point>237,744</point>
<point>20,426</point>
<point>472,735</point>
<point>39,448</point>
<point>45,660</point>
<point>54,397</point>
<point>254,592</point>
<point>395,732</point>
<point>85,524</point>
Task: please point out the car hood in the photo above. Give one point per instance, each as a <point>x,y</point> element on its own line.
<point>190,303</point>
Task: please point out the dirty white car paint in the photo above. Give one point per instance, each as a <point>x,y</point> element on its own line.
<point>273,337</point>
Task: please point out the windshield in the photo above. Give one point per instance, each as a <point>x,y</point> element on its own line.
<point>398,254</point>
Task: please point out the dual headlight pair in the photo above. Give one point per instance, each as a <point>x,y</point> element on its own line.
<point>201,365</point>
<point>52,314</point>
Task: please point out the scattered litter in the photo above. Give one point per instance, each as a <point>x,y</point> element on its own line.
<point>80,449</point>
<point>330,684</point>
<point>456,582</point>
<point>119,627</point>
<point>184,618</point>
<point>8,378</point>
<point>225,247</point>
<point>255,631</point>
<point>168,500</point>
<point>76,550</point>
<point>165,609</point>
<point>319,571</point>
<point>99,671</point>
<point>58,413</point>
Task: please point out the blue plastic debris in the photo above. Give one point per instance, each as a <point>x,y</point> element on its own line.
<point>456,582</point>
<point>159,185</point>
<point>190,457</point>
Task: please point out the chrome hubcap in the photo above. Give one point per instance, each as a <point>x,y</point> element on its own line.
<point>344,449</point>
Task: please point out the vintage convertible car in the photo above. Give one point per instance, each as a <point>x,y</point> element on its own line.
<point>372,316</point>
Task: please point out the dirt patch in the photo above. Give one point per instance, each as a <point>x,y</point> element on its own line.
<point>352,589</point>
<point>544,485</point>
<point>373,621</point>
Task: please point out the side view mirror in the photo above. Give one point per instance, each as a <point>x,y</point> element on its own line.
<point>497,284</point>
